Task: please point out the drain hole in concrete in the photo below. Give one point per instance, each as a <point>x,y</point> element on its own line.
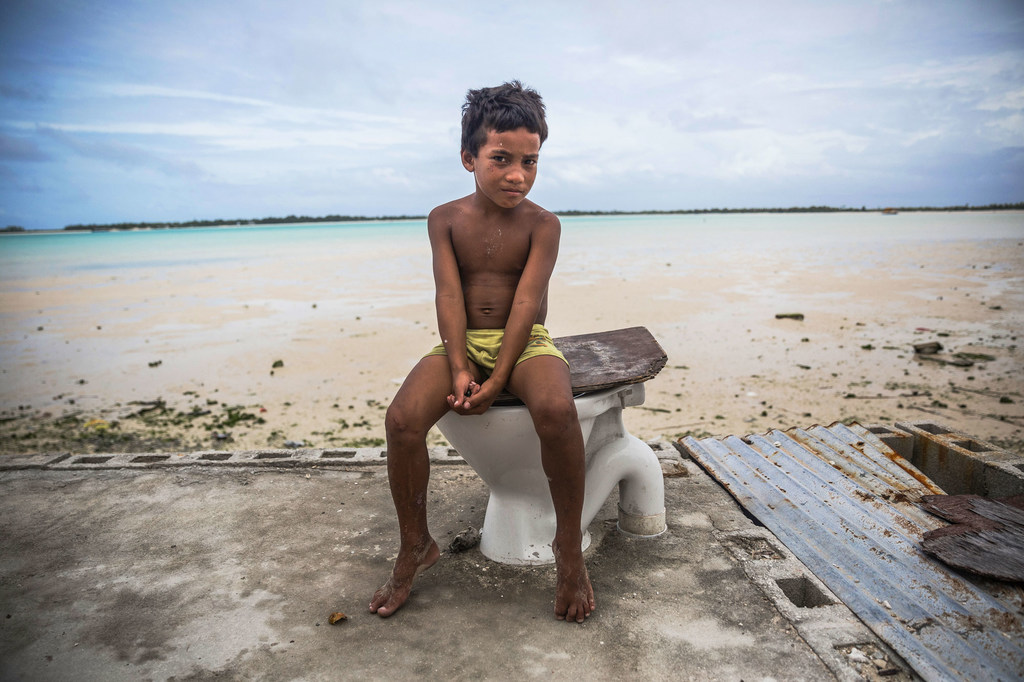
<point>932,428</point>
<point>216,456</point>
<point>333,454</point>
<point>92,460</point>
<point>756,548</point>
<point>880,429</point>
<point>971,446</point>
<point>802,592</point>
<point>452,452</point>
<point>273,455</point>
<point>149,459</point>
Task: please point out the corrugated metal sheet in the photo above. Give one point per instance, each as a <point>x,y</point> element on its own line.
<point>844,504</point>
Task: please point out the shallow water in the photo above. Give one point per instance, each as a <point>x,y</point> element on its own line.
<point>382,249</point>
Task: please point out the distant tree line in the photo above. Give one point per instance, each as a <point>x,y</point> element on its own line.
<point>350,218</point>
<point>804,209</point>
<point>13,228</point>
<point>291,219</point>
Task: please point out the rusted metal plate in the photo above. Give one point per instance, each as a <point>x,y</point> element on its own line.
<point>844,504</point>
<point>608,359</point>
<point>987,537</point>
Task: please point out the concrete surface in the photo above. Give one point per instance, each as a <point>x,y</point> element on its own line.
<point>205,571</point>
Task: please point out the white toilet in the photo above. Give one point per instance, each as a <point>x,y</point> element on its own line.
<point>503,448</point>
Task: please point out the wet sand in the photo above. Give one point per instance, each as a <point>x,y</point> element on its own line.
<point>117,362</point>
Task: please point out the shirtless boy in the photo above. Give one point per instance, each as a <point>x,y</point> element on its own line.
<point>493,254</point>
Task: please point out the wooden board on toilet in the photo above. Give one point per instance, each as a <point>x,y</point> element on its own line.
<point>607,359</point>
<point>614,358</point>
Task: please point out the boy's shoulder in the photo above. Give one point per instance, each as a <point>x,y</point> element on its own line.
<point>463,209</point>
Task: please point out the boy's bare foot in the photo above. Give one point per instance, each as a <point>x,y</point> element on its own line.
<point>409,564</point>
<point>574,596</point>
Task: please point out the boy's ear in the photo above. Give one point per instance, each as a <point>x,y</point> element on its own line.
<point>468,160</point>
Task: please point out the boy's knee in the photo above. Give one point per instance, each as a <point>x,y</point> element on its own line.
<point>398,425</point>
<point>555,416</point>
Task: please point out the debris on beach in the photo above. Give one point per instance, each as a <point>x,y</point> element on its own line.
<point>673,468</point>
<point>148,406</point>
<point>336,618</point>
<point>957,360</point>
<point>789,316</point>
<point>986,538</point>
<point>465,540</point>
<point>156,363</point>
<point>97,424</point>
<point>928,348</point>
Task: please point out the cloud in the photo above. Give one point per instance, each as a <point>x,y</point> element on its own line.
<point>20,149</point>
<point>124,155</point>
<point>158,91</point>
<point>24,93</point>
<point>354,106</point>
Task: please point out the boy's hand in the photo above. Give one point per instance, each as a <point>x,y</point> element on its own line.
<point>480,400</point>
<point>463,387</point>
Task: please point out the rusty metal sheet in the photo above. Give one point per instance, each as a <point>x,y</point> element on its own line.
<point>844,504</point>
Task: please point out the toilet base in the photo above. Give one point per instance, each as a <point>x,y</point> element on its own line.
<point>533,554</point>
<point>518,530</point>
<point>641,526</point>
<point>503,448</point>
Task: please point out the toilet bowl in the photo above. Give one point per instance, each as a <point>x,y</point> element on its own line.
<point>503,447</point>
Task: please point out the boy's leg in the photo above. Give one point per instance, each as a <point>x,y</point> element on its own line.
<point>542,382</point>
<point>417,406</point>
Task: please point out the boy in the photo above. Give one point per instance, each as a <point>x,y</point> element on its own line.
<point>493,254</point>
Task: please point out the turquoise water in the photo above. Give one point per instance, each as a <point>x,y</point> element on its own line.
<point>67,253</point>
<point>397,246</point>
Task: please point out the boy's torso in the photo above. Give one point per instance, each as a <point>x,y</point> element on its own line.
<point>491,252</point>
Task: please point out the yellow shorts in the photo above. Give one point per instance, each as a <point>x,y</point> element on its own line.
<point>482,346</point>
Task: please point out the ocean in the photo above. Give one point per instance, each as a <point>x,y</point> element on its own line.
<point>375,251</point>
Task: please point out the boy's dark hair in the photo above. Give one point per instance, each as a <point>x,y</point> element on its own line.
<point>506,107</point>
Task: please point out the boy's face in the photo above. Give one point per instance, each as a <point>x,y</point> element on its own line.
<point>506,166</point>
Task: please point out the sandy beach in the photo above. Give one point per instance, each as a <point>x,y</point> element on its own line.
<point>312,353</point>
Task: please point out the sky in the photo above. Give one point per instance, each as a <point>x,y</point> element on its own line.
<point>148,111</point>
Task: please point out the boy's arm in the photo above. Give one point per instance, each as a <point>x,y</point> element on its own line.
<point>449,302</point>
<point>530,293</point>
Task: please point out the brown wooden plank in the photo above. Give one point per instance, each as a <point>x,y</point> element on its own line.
<point>612,358</point>
<point>986,538</point>
<point>608,359</point>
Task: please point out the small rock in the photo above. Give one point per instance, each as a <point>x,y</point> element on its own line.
<point>294,444</point>
<point>671,468</point>
<point>929,348</point>
<point>466,539</point>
